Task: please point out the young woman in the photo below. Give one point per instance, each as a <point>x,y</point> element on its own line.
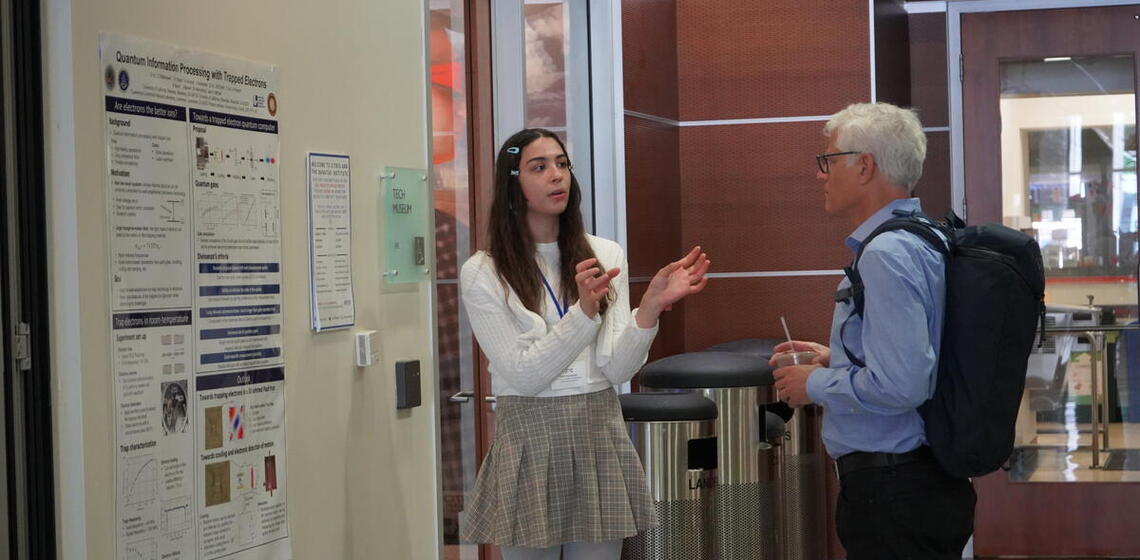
<point>554,320</point>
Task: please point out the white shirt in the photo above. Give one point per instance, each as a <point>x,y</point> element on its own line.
<point>527,352</point>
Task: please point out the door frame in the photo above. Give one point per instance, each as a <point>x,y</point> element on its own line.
<point>492,94</point>
<point>954,12</point>
<point>29,405</point>
<point>607,115</point>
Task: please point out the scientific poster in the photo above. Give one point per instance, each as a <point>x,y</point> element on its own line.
<point>195,260</point>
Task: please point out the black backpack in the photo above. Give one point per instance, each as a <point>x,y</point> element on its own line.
<point>995,297</point>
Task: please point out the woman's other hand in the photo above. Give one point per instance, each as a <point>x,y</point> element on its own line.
<point>593,285</point>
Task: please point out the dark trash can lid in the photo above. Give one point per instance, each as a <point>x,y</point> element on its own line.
<point>757,347</point>
<point>666,407</point>
<point>706,370</point>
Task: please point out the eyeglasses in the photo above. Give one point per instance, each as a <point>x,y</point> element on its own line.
<point>821,160</point>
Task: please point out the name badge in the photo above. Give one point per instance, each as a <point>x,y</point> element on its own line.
<point>572,377</point>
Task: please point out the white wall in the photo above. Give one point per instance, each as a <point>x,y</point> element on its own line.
<point>362,476</point>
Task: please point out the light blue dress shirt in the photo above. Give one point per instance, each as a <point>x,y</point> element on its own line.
<point>873,408</point>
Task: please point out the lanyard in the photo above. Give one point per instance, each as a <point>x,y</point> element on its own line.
<point>560,308</point>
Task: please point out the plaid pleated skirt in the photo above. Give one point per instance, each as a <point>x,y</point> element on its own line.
<point>560,469</point>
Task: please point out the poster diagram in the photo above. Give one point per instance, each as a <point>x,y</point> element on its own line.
<point>140,480</point>
<point>249,214</point>
<point>145,549</point>
<point>236,427</point>
<point>217,483</point>
<point>173,211</point>
<point>193,204</point>
<point>176,517</point>
<point>212,427</point>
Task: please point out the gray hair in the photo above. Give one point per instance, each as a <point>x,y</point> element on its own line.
<point>892,134</point>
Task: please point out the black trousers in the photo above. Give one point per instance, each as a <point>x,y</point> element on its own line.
<point>910,511</point>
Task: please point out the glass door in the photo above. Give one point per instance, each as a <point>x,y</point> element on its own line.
<point>552,65</point>
<point>1047,108</point>
<point>453,241</point>
<point>1068,145</point>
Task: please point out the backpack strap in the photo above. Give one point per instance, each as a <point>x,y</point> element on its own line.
<point>911,221</point>
<point>953,221</point>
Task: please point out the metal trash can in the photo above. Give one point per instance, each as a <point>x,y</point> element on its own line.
<point>675,436</point>
<point>802,496</point>
<point>745,502</point>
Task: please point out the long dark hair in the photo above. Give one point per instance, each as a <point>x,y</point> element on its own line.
<point>512,247</point>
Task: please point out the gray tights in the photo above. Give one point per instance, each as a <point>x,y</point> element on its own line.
<point>608,550</point>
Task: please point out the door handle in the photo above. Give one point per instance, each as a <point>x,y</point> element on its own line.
<point>465,396</point>
<point>461,397</point>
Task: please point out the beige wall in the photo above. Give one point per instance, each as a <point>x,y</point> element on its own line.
<point>362,476</point>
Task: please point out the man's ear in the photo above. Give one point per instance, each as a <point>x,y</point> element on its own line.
<point>867,167</point>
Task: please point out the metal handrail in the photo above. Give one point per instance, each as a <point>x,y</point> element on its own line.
<point>1098,335</point>
<point>1091,329</point>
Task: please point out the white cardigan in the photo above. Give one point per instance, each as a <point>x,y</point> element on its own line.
<point>526,353</point>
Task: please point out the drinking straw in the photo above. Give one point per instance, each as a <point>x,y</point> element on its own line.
<point>787,334</point>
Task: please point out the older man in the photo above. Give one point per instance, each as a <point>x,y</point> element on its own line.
<point>895,500</point>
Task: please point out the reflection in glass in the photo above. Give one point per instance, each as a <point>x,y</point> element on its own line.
<point>451,192</point>
<point>546,48</point>
<point>553,80</point>
<point>1068,149</point>
<point>556,78</point>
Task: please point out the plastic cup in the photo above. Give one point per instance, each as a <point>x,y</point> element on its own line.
<point>784,359</point>
<point>805,357</point>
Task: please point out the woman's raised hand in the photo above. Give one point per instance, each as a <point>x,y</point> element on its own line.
<point>593,285</point>
<point>672,283</point>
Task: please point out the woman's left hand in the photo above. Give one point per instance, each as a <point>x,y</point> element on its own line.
<point>673,283</point>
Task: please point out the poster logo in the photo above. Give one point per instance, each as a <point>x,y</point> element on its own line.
<point>124,79</point>
<point>109,78</point>
<point>271,104</point>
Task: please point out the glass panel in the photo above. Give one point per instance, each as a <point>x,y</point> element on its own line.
<point>546,47</point>
<point>557,74</point>
<point>451,191</point>
<point>405,225</point>
<point>1069,179</point>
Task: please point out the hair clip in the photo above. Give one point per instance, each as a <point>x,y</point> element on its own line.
<point>515,172</point>
<point>513,150</point>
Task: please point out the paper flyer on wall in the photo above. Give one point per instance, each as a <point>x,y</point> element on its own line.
<point>330,242</point>
<point>195,260</point>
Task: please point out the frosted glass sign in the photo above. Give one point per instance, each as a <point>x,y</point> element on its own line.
<point>405,215</point>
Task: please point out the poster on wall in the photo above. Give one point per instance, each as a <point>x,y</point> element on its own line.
<point>330,242</point>
<point>193,194</point>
